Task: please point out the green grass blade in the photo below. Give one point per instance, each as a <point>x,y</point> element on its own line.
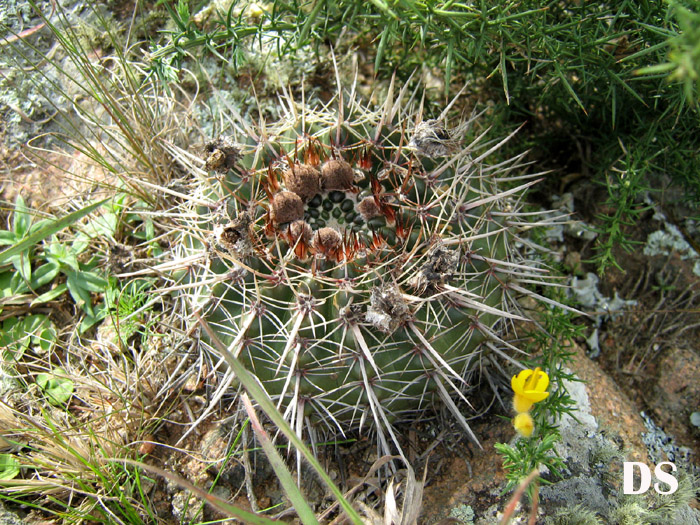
<point>504,73</point>
<point>306,515</point>
<point>256,392</point>
<point>50,229</point>
<point>627,88</point>
<point>218,503</point>
<point>567,86</point>
<point>384,8</point>
<point>382,46</point>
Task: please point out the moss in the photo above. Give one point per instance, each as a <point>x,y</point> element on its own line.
<point>578,515</point>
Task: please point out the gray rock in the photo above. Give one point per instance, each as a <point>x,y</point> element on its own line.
<point>9,518</point>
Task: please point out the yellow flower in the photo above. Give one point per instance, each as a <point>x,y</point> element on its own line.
<point>530,387</point>
<point>524,424</point>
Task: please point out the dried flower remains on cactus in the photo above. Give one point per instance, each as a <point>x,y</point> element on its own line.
<point>363,281</point>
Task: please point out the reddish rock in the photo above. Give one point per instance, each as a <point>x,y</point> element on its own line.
<point>676,394</point>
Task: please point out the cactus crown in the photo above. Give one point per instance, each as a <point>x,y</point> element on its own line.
<point>361,263</point>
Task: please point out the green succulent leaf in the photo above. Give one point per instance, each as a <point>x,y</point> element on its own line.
<point>5,284</point>
<point>79,293</point>
<point>80,244</point>
<point>23,265</point>
<point>18,285</point>
<point>99,312</point>
<point>19,333</point>
<point>41,330</point>
<point>103,226</point>
<point>64,255</point>
<point>91,281</point>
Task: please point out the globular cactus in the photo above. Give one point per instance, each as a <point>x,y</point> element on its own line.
<point>361,263</point>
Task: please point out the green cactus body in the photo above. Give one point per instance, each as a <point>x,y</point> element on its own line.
<point>364,265</point>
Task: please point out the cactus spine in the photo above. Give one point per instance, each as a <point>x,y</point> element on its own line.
<point>361,263</point>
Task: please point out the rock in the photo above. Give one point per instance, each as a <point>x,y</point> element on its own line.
<point>9,518</point>
<point>185,507</point>
<point>676,394</point>
<point>607,431</point>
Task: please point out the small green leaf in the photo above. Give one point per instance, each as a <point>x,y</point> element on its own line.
<point>17,334</point>
<point>6,284</point>
<point>42,330</point>
<point>103,226</point>
<point>33,323</point>
<point>46,339</point>
<point>17,284</point>
<point>44,274</point>
<point>656,69</point>
<point>38,225</point>
<point>80,244</point>
<point>78,292</point>
<point>13,339</point>
<point>61,254</point>
<point>51,294</point>
<point>91,320</point>
<point>149,228</point>
<point>7,237</point>
<point>382,46</point>
<point>51,228</point>
<point>23,265</point>
<point>56,386</point>
<point>92,282</point>
<point>9,466</point>
<point>21,219</point>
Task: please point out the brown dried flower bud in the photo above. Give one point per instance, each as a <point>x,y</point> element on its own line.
<point>368,208</point>
<point>336,174</point>
<point>286,207</point>
<point>327,240</point>
<point>300,231</point>
<point>303,180</point>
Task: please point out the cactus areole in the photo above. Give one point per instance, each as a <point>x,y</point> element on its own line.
<point>362,263</point>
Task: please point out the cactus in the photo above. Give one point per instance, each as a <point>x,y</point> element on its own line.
<point>360,262</point>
